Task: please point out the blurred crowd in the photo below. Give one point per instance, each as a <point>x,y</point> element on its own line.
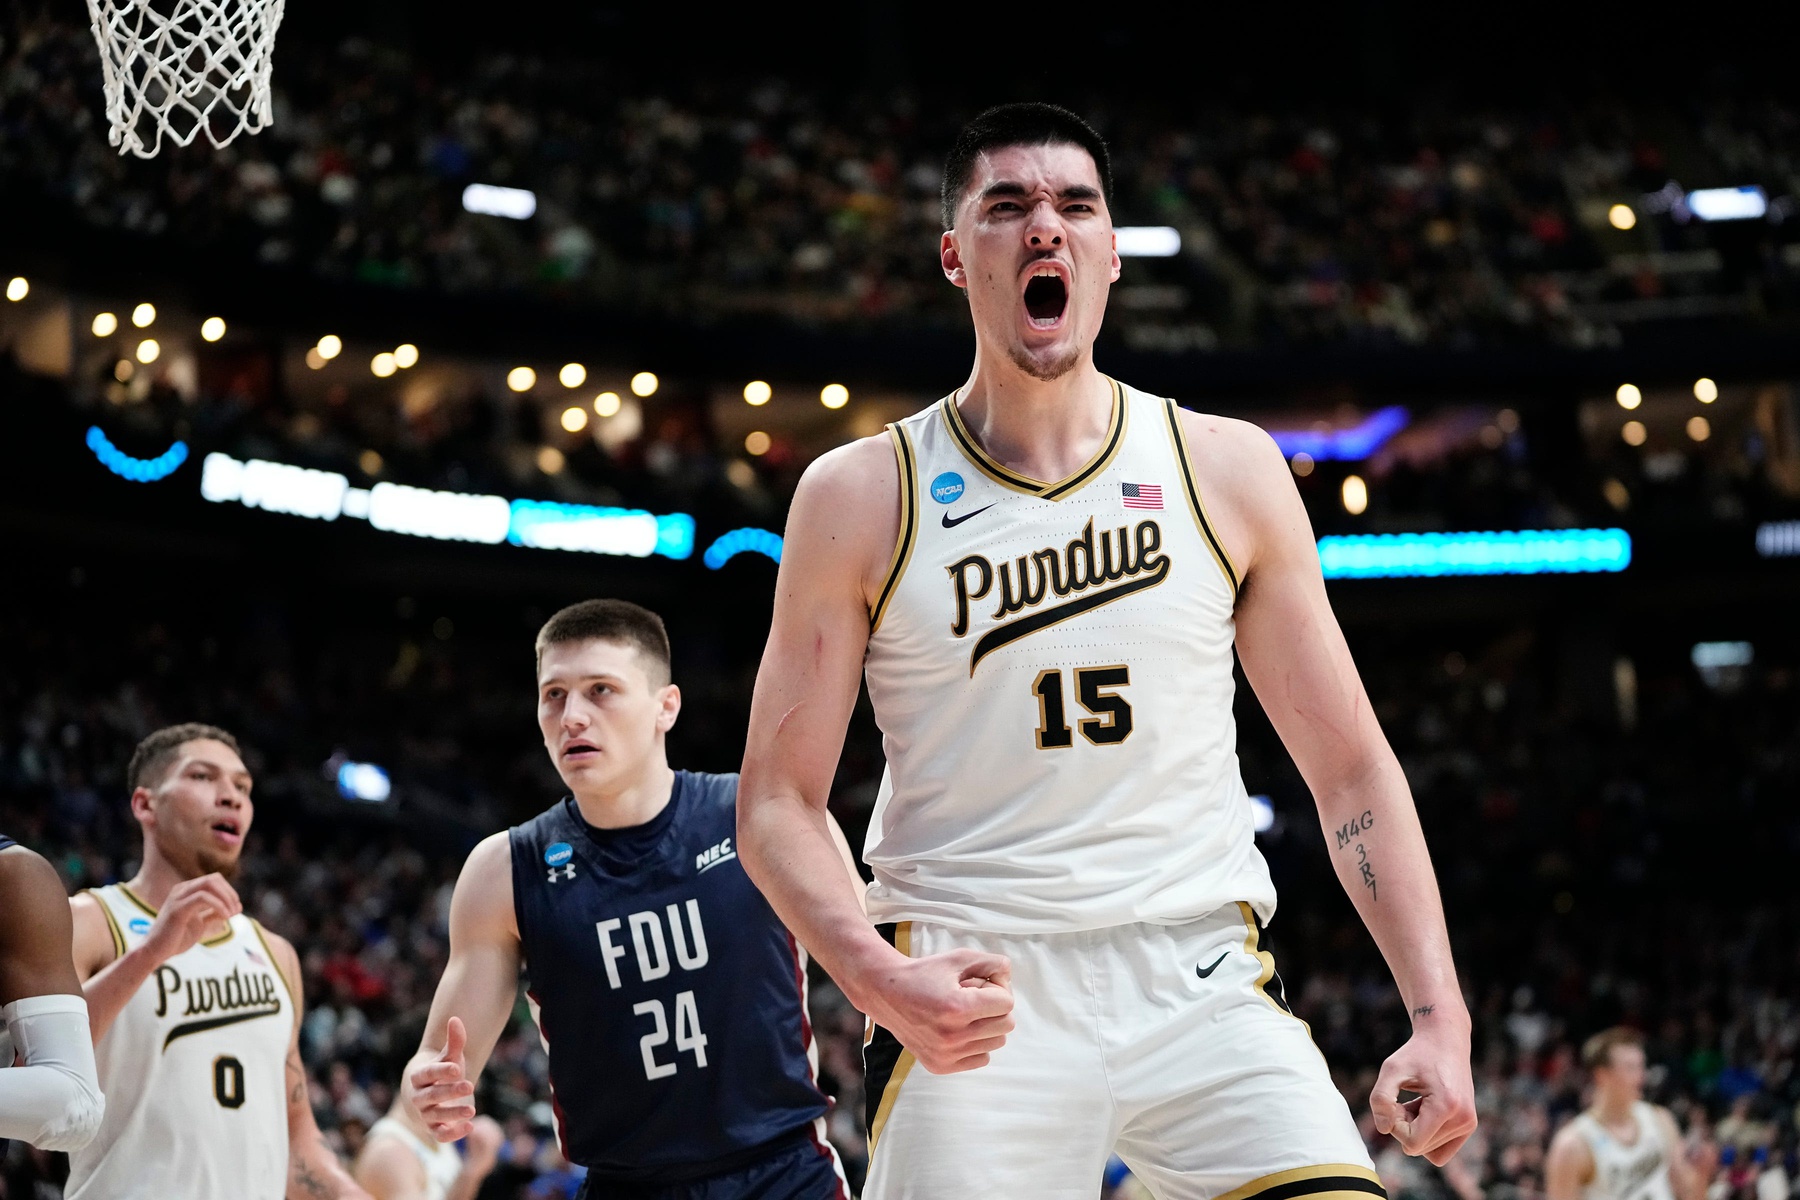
<point>732,196</point>
<point>1610,830</point>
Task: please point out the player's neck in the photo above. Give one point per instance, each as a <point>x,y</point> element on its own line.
<point>1613,1109</point>
<point>1043,428</point>
<point>155,878</point>
<point>635,803</point>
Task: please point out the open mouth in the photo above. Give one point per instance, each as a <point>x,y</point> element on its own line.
<point>579,751</point>
<point>228,831</point>
<point>1046,296</point>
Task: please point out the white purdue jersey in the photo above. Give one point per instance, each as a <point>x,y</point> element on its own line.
<point>441,1162</point>
<point>1051,668</point>
<point>1639,1171</point>
<point>194,1072</point>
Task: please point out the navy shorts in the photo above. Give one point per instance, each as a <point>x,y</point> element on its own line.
<point>801,1170</point>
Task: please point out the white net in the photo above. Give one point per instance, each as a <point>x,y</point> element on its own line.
<point>178,68</point>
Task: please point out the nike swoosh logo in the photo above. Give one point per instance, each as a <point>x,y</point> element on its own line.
<point>952,522</point>
<point>1203,972</point>
<point>1044,618</point>
<point>181,1031</point>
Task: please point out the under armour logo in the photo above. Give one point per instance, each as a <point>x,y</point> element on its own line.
<point>567,872</point>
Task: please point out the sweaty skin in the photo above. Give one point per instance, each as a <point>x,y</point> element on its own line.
<point>1036,402</point>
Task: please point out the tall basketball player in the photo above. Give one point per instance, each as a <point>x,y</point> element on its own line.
<point>195,1006</point>
<point>1620,1147</point>
<point>52,1098</point>
<point>669,997</point>
<point>401,1160</point>
<point>1043,577</point>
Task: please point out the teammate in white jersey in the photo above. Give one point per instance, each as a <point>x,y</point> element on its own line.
<point>401,1159</point>
<point>195,1006</point>
<point>1044,577</point>
<point>1619,1147</point>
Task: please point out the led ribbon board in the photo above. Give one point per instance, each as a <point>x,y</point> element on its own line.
<point>446,516</point>
<point>1343,445</point>
<point>1520,552</point>
<point>138,470</point>
<point>742,541</point>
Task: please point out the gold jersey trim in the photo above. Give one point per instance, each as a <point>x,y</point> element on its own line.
<point>1195,505</point>
<point>1007,477</point>
<point>904,1065</point>
<point>275,965</point>
<point>112,922</point>
<point>1336,1181</point>
<point>125,891</point>
<point>909,524</point>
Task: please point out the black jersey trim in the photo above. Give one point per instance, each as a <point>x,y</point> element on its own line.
<point>1320,1181</point>
<point>909,524</point>
<point>1195,506</point>
<point>1002,474</point>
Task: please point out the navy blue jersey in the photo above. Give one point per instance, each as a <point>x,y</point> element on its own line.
<point>6,841</point>
<point>670,997</point>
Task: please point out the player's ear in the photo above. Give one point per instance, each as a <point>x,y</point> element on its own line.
<point>951,258</point>
<point>1118,266</point>
<point>669,701</point>
<point>141,806</point>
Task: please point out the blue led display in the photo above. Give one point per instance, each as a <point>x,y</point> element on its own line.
<point>742,541</point>
<point>1515,552</point>
<point>1343,445</point>
<point>548,525</point>
<point>138,470</point>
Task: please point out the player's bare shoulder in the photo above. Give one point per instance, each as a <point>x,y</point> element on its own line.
<point>1243,478</point>
<point>845,517</point>
<point>482,905</point>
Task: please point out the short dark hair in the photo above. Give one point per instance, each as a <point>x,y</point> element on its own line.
<point>1025,124</point>
<point>1597,1050</point>
<point>156,753</point>
<point>611,621</point>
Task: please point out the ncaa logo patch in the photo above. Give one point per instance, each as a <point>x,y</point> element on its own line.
<point>138,925</point>
<point>558,853</point>
<point>947,487</point>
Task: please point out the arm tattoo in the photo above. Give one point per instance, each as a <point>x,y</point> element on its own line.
<point>1424,1010</point>
<point>1350,834</point>
<point>304,1177</point>
<point>297,1073</point>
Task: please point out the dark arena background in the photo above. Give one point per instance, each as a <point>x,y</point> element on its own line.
<point>513,307</point>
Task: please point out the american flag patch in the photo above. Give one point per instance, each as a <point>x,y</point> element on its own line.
<point>1141,495</point>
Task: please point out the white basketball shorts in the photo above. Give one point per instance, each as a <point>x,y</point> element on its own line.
<point>1167,1044</point>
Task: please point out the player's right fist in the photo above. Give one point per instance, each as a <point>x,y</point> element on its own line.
<point>952,1010</point>
<point>439,1089</point>
<point>193,907</point>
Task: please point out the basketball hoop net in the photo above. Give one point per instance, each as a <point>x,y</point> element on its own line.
<point>176,68</point>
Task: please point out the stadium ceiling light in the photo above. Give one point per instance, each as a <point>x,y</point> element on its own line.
<point>330,346</point>
<point>147,351</point>
<point>644,383</point>
<point>1705,390</point>
<point>1355,495</point>
<point>144,315</point>
<point>1628,396</point>
<point>490,200</point>
<point>1634,433</point>
<point>1728,204</point>
<point>757,393</point>
<point>1622,216</point>
<point>383,365</point>
<point>124,369</point>
<point>521,379</point>
<point>573,375</point>
<point>608,404</point>
<point>406,355</point>
<point>834,395</point>
<point>550,460</point>
<point>757,444</point>
<point>1302,462</point>
<point>314,359</point>
<point>105,324</point>
<point>1147,241</point>
<point>17,288</point>
<point>1699,428</point>
<point>213,328</point>
<point>575,419</point>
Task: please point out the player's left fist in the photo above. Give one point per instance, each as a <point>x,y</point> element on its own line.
<point>1434,1064</point>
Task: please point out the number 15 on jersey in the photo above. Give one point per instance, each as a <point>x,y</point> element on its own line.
<point>1111,722</point>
